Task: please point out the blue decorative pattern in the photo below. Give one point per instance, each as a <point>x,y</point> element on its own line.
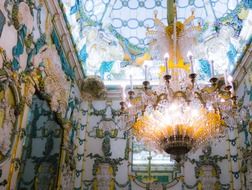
<point>140,16</point>
<point>106,66</point>
<point>19,48</point>
<point>234,157</point>
<point>231,54</point>
<point>83,54</point>
<point>236,174</point>
<point>204,69</point>
<point>206,10</point>
<point>233,141</point>
<point>2,22</point>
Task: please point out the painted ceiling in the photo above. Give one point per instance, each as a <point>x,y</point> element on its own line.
<point>116,38</point>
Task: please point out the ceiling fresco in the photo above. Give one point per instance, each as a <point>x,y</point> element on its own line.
<point>114,38</point>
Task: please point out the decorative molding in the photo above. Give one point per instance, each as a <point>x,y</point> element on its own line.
<point>9,110</point>
<point>61,28</point>
<point>242,67</point>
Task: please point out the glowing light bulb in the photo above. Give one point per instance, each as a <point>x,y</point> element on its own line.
<point>166,57</point>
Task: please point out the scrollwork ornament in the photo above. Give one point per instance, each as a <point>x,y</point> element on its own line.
<point>9,109</point>
<point>29,92</point>
<point>67,177</point>
<point>57,87</point>
<point>207,170</point>
<point>246,167</point>
<point>4,182</point>
<point>68,169</point>
<point>5,130</point>
<point>67,125</point>
<point>93,88</point>
<point>14,16</point>
<point>49,79</point>
<point>17,163</point>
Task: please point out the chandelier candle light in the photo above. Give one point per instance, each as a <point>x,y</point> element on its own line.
<point>189,55</point>
<point>166,56</point>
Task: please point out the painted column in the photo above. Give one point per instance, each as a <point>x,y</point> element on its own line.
<point>233,149</point>
<point>79,141</point>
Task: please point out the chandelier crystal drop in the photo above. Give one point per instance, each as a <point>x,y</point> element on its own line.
<point>180,114</point>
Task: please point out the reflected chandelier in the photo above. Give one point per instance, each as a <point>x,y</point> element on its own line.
<point>179,114</point>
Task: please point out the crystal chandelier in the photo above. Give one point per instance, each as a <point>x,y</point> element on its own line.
<point>180,114</point>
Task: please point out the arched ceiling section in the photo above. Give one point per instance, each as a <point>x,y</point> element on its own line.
<point>114,37</point>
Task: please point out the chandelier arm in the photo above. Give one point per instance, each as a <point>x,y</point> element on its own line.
<point>168,89</point>
<point>200,98</point>
<point>161,97</point>
<point>179,94</point>
<point>210,89</point>
<point>225,94</point>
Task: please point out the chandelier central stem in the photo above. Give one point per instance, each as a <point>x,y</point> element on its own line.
<point>175,34</point>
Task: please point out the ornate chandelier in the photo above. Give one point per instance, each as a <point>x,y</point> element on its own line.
<point>180,114</point>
